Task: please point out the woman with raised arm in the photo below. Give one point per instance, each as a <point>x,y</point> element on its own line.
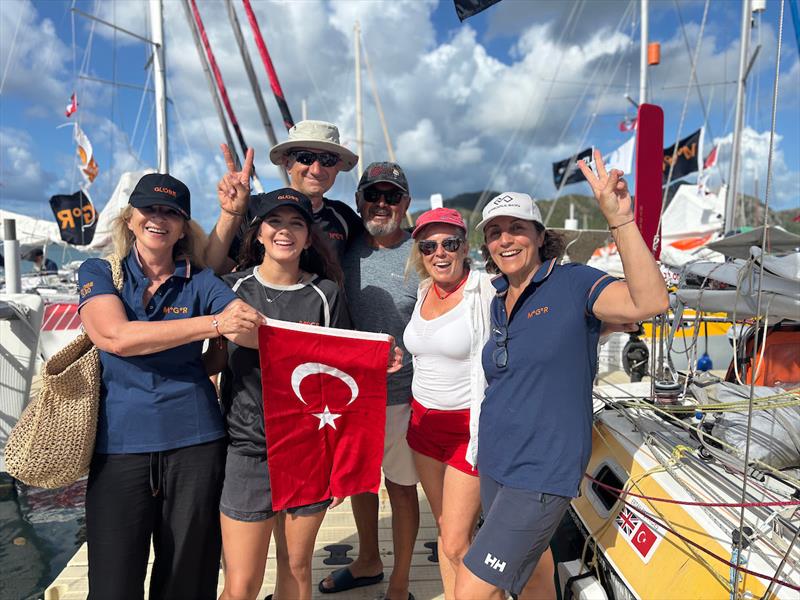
<point>287,272</point>
<point>159,459</point>
<point>535,432</point>
<point>446,335</point>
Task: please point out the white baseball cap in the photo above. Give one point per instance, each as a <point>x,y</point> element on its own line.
<point>510,204</point>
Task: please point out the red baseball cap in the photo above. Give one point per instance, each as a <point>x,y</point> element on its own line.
<point>448,216</point>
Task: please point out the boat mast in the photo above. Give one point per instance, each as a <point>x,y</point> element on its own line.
<point>644,33</point>
<point>733,174</point>
<point>359,115</point>
<point>160,80</point>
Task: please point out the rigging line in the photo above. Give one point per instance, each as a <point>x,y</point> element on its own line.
<point>783,561</point>
<point>11,52</point>
<point>139,111</point>
<point>690,503</point>
<point>146,127</point>
<point>767,191</point>
<point>74,54</point>
<point>593,116</point>
<point>692,76</point>
<point>679,423</point>
<point>738,567</point>
<point>697,85</point>
<point>192,160</point>
<point>223,92</point>
<point>515,134</point>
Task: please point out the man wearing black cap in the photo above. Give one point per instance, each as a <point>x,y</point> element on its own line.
<point>312,157</point>
<point>381,299</point>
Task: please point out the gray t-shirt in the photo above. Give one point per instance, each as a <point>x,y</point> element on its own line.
<point>381,299</point>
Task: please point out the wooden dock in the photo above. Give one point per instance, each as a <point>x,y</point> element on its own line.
<point>337,528</point>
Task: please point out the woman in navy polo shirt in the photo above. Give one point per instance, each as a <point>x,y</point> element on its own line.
<point>536,417</point>
<point>160,449</point>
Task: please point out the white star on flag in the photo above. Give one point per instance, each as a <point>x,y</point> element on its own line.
<point>326,417</point>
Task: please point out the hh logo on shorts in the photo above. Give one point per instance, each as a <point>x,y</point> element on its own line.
<point>494,562</point>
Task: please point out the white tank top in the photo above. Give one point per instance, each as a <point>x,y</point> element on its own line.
<point>440,348</point>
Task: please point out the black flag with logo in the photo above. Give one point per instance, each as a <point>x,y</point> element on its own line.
<point>76,217</point>
<point>566,171</point>
<point>467,8</point>
<point>686,161</point>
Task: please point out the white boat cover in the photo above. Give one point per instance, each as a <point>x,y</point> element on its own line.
<point>774,436</point>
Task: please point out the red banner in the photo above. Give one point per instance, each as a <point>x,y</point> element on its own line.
<point>649,158</point>
<point>324,395</point>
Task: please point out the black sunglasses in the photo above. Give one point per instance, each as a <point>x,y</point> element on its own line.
<point>391,197</point>
<point>500,337</point>
<point>451,244</point>
<point>307,158</point>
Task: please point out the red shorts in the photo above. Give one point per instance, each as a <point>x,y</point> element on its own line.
<point>441,434</point>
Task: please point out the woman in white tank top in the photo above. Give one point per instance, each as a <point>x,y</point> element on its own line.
<point>446,335</point>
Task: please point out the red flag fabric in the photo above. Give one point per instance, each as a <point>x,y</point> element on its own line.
<point>324,393</point>
<point>711,159</point>
<point>627,124</point>
<point>72,106</point>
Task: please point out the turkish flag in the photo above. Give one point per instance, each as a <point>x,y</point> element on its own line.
<point>643,539</point>
<point>324,393</point>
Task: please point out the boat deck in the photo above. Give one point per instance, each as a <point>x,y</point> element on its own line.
<point>337,528</point>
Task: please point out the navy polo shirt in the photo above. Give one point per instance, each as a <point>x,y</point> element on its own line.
<point>163,400</point>
<point>536,419</point>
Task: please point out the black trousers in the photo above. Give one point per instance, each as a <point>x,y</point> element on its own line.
<point>171,497</point>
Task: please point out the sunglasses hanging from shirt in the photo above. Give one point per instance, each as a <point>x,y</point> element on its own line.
<point>451,244</point>
<point>308,158</point>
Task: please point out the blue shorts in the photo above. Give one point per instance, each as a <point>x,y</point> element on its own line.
<point>246,492</point>
<point>517,528</point>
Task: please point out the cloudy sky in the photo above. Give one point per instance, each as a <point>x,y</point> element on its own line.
<point>488,103</point>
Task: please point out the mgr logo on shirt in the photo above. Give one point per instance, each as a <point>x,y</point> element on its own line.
<point>542,310</point>
<point>176,310</point>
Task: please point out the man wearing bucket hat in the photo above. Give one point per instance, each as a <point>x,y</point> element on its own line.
<point>313,157</point>
<point>382,298</point>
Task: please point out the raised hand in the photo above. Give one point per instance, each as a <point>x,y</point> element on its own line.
<point>233,190</point>
<point>610,191</point>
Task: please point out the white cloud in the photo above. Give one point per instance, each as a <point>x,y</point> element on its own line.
<point>36,58</point>
<point>23,180</point>
<point>753,167</point>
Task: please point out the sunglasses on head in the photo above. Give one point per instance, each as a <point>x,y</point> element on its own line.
<point>308,158</point>
<point>391,197</point>
<point>451,244</point>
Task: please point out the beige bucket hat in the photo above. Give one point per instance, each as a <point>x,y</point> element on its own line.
<point>314,135</point>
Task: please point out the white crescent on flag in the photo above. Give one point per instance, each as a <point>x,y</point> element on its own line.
<point>304,370</point>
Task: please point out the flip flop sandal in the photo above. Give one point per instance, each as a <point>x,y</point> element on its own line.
<point>343,580</point>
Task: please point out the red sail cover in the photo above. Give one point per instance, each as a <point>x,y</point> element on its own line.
<point>649,158</point>
<point>324,393</point>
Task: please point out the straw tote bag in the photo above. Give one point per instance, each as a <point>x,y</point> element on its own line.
<point>52,443</point>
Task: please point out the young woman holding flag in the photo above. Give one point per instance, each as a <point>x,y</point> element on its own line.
<point>286,272</point>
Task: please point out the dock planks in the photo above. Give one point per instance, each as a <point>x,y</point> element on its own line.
<point>337,528</point>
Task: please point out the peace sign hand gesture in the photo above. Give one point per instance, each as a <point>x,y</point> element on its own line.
<point>233,190</point>
<point>610,191</point>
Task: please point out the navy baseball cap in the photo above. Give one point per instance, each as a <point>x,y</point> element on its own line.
<point>263,204</point>
<point>386,172</point>
<point>163,190</point>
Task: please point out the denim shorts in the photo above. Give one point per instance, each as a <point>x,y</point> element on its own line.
<point>246,492</point>
<point>517,528</point>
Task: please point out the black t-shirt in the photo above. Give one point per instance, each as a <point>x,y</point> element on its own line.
<point>314,301</point>
<point>335,218</point>
<point>340,222</point>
